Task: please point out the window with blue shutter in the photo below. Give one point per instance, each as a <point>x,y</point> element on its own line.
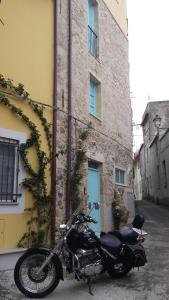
<point>91,15</point>
<point>92,104</point>
<point>92,36</point>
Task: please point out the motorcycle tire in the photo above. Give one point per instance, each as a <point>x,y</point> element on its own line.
<point>119,270</point>
<point>30,262</point>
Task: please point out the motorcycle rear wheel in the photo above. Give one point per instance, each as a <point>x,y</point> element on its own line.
<point>26,278</point>
<point>119,269</point>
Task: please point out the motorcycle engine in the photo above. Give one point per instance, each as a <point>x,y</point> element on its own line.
<point>88,263</point>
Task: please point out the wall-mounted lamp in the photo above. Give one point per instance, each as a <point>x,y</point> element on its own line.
<point>157,121</point>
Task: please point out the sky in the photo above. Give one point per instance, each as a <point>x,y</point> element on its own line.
<point>148,22</point>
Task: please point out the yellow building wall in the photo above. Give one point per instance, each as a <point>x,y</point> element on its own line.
<point>118,8</point>
<point>27,45</point>
<point>26,56</point>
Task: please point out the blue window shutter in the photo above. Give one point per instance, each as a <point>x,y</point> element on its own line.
<point>91,17</point>
<point>92,107</point>
<point>92,36</point>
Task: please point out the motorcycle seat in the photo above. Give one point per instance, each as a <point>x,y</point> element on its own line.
<point>111,243</point>
<point>126,235</point>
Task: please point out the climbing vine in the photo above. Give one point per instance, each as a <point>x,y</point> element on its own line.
<point>0,18</point>
<point>119,212</point>
<point>77,176</point>
<point>38,225</point>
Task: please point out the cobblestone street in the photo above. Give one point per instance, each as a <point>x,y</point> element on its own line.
<point>150,282</point>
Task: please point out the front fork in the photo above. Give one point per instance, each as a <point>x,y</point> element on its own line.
<point>46,262</point>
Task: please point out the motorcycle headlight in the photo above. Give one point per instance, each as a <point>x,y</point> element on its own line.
<point>63,228</point>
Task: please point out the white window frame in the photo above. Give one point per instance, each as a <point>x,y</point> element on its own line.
<point>18,207</point>
<point>122,170</point>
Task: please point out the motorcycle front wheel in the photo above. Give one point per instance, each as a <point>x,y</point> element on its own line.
<point>27,280</point>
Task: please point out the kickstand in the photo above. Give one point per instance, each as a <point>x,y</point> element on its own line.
<point>89,283</point>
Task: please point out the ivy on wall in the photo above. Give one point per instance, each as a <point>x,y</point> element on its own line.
<point>77,176</point>
<point>38,225</point>
<point>0,18</point>
<point>120,213</point>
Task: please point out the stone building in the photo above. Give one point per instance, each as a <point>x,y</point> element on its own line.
<point>156,153</point>
<point>137,180</point>
<point>93,88</point>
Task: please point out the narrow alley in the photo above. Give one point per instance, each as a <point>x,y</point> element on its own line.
<point>150,282</point>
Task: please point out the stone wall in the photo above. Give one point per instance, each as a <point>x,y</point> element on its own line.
<point>155,151</point>
<point>111,143</point>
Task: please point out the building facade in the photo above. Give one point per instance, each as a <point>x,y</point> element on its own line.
<point>27,57</point>
<point>99,96</point>
<point>86,43</point>
<point>155,153</point>
<point>137,164</point>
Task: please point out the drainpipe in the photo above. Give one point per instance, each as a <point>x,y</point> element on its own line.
<point>54,127</point>
<point>69,140</point>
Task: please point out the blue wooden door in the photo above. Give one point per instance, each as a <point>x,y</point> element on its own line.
<point>94,196</point>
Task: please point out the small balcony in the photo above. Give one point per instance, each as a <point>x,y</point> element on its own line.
<point>92,41</point>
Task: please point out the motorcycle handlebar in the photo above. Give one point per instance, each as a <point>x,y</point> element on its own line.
<point>82,218</point>
<point>90,220</point>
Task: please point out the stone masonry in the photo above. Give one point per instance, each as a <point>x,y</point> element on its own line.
<point>155,152</point>
<point>110,144</point>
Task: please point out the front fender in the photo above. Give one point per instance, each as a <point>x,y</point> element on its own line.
<point>48,251</point>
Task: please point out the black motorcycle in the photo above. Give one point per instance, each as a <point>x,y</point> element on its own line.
<point>79,251</point>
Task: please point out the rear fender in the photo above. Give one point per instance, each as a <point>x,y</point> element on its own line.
<point>55,258</point>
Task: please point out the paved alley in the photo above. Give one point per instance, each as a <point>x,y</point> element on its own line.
<point>150,282</point>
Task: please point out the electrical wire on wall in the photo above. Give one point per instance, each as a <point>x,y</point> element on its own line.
<point>75,118</point>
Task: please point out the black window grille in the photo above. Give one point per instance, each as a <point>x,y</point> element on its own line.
<point>9,163</point>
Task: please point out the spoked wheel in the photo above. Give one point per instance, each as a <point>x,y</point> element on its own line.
<point>29,281</point>
<point>119,269</point>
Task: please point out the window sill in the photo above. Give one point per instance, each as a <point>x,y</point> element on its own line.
<point>120,184</point>
<point>9,204</point>
<point>95,117</point>
<point>95,56</point>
